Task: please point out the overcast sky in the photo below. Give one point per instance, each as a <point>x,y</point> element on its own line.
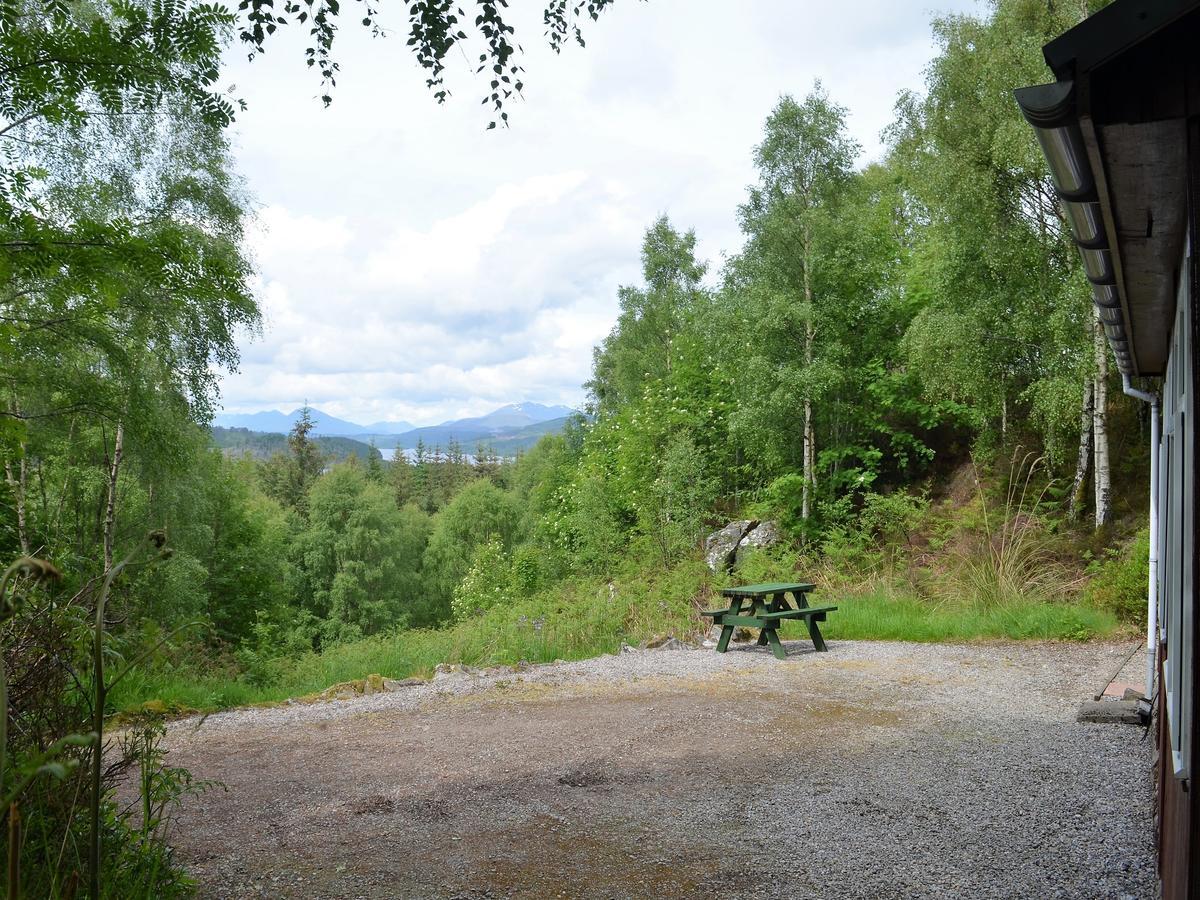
<point>416,266</point>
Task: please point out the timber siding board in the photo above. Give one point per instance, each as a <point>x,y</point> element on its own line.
<point>1179,814</point>
<point>1191,551</point>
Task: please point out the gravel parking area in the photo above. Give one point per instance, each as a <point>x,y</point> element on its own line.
<point>876,770</point>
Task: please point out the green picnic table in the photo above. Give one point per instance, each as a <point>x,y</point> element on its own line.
<point>768,606</point>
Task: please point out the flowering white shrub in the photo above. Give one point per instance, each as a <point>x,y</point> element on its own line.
<point>488,582</point>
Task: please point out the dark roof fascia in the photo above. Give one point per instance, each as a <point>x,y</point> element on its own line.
<point>1109,32</point>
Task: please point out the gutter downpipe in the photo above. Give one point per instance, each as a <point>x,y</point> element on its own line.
<point>1152,592</point>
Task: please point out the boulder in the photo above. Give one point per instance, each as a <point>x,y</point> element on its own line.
<point>721,546</point>
<point>762,535</point>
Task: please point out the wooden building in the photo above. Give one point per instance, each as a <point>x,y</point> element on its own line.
<point>1120,128</point>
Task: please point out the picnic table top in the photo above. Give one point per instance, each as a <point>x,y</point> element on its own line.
<point>758,590</point>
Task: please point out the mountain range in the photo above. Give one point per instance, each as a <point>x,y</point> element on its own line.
<point>523,421</point>
<point>272,421</point>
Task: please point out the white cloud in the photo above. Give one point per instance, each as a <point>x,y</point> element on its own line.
<point>416,266</point>
<point>449,254</point>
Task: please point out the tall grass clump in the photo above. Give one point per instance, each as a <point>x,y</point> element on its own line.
<point>1014,561</point>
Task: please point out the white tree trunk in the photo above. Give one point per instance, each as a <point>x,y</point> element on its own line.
<point>810,480</point>
<point>17,482</point>
<point>809,449</point>
<point>1100,426</point>
<point>1075,502</point>
<point>110,512</point>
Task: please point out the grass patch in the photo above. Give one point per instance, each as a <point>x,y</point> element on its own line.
<point>886,618</point>
<point>588,617</point>
<point>575,620</point>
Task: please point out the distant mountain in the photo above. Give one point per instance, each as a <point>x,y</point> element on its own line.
<point>524,438</point>
<point>274,422</point>
<point>468,433</point>
<point>263,445</point>
<point>502,443</point>
<point>515,415</point>
<point>503,440</point>
<point>388,427</point>
<point>505,421</point>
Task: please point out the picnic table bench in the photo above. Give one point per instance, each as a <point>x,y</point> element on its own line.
<point>768,606</point>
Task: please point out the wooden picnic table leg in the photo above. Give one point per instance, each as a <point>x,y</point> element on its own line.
<point>762,632</point>
<point>815,633</point>
<point>776,646</point>
<point>778,604</point>
<point>726,634</point>
<point>735,607</point>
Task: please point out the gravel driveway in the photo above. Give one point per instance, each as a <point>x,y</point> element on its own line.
<point>876,770</point>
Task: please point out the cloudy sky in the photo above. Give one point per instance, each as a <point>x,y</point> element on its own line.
<point>417,266</point>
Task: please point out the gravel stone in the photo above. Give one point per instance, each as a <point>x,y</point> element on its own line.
<point>877,770</point>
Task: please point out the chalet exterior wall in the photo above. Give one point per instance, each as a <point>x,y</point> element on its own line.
<point>1179,828</point>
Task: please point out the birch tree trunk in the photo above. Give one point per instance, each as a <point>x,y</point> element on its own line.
<point>17,482</point>
<point>110,512</point>
<point>809,449</point>
<point>1075,503</point>
<point>1101,476</point>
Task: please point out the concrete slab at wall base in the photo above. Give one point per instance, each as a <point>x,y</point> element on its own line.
<point>1111,712</point>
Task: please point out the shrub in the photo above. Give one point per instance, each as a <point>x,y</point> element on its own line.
<point>783,501</point>
<point>1121,580</point>
<point>679,497</point>
<point>480,513</point>
<point>488,582</point>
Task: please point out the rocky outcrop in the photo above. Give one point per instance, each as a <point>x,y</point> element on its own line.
<point>762,535</point>
<point>723,548</point>
<point>720,548</point>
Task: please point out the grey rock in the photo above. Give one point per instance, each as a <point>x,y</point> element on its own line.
<point>391,684</point>
<point>667,643</point>
<point>761,536</point>
<point>720,547</point>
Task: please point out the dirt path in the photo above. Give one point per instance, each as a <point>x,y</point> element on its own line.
<point>876,770</point>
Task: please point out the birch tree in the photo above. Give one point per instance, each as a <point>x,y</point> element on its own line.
<point>805,163</point>
<point>1005,324</point>
<point>1084,455</point>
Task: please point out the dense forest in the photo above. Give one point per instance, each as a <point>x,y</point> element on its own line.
<point>884,333</point>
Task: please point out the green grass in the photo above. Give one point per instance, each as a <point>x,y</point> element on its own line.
<point>884,618</point>
<point>576,620</point>
<point>587,617</point>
